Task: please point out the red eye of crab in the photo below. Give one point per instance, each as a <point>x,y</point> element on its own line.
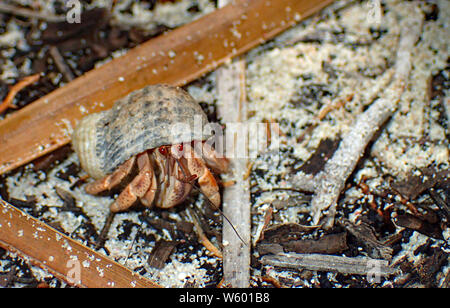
<point>163,150</point>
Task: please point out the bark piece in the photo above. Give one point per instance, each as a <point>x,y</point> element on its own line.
<point>327,244</point>
<point>160,253</point>
<point>415,223</point>
<point>317,161</point>
<point>366,236</point>
<point>429,266</point>
<point>414,184</point>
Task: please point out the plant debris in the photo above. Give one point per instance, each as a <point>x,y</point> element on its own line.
<point>418,182</point>
<point>161,253</point>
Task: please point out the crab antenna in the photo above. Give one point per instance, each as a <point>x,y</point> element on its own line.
<point>226,218</point>
<point>220,212</point>
<point>145,212</point>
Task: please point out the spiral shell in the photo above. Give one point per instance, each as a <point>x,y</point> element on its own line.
<point>143,120</point>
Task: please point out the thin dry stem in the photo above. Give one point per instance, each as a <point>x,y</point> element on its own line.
<point>24,12</point>
<point>8,101</point>
<point>372,268</point>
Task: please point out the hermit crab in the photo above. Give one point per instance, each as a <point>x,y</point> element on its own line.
<point>135,145</point>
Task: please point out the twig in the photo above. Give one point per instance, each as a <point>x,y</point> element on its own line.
<point>447,112</point>
<point>446,282</point>
<point>60,64</point>
<point>201,235</point>
<point>64,257</point>
<point>373,268</point>
<point>236,199</point>
<point>444,206</point>
<point>273,281</point>
<point>260,230</point>
<point>8,101</point>
<point>332,106</point>
<point>102,237</point>
<point>249,171</point>
<point>19,11</point>
<point>344,160</point>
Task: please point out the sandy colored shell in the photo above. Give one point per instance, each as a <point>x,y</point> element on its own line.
<point>145,119</point>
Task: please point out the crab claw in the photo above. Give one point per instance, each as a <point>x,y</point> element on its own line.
<point>137,188</point>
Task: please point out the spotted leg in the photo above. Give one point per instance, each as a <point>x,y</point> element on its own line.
<point>205,178</point>
<point>213,160</point>
<point>112,179</point>
<point>137,188</point>
<point>149,196</point>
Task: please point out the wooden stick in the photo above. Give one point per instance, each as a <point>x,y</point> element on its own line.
<point>372,268</point>
<point>447,112</point>
<point>177,57</point>
<point>231,107</point>
<point>60,64</point>
<point>236,198</point>
<point>62,256</point>
<point>20,11</point>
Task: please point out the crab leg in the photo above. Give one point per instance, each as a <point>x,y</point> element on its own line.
<point>206,180</point>
<point>112,179</point>
<point>218,164</point>
<point>149,196</point>
<point>137,188</point>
